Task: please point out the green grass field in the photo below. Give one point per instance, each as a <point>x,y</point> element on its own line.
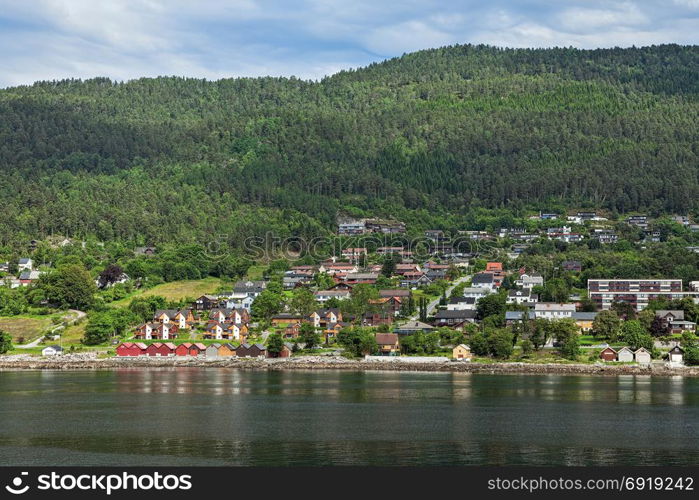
<point>174,290</point>
<point>25,326</point>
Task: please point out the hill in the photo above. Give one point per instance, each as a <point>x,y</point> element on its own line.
<point>439,133</point>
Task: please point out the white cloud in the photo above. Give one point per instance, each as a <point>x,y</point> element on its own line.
<point>51,39</point>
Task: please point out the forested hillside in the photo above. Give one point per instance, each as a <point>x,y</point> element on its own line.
<point>444,132</point>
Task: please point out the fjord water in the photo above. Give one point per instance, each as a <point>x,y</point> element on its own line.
<point>216,416</point>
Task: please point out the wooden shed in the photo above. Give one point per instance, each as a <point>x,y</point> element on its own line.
<point>212,351</point>
<point>608,354</point>
<point>676,355</point>
<point>183,349</point>
<point>642,355</point>
<point>226,350</point>
<point>131,349</point>
<point>161,349</point>
<point>625,355</point>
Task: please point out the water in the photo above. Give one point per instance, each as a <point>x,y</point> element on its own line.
<point>215,416</point>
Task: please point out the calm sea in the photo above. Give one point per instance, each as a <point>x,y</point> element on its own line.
<point>215,416</point>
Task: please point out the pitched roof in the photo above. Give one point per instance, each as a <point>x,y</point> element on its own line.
<point>386,338</point>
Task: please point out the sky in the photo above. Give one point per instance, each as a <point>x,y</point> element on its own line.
<point>309,39</point>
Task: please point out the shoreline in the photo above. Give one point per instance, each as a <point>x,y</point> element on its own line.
<point>83,362</point>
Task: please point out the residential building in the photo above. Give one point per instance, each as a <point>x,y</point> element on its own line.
<point>552,310</point>
<point>521,297</point>
<point>483,280</point>
<point>388,344</point>
<point>351,227</point>
<point>624,355</point>
<point>411,327</point>
<point>571,266</point>
<point>674,322</point>
<point>461,304</point>
<point>529,281</point>
<point>323,296</point>
<point>584,320</point>
<point>453,318</point>
<point>637,292</point>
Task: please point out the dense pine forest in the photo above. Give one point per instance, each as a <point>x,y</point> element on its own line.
<point>432,137</point>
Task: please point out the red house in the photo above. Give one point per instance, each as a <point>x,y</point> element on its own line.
<point>131,349</point>
<point>161,349</point>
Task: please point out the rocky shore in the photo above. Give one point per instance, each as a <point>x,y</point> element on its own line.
<point>92,362</point>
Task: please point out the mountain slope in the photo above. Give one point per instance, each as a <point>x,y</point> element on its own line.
<point>438,131</point>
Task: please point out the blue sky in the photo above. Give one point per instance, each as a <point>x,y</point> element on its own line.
<point>53,39</point>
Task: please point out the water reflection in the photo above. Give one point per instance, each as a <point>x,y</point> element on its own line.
<point>224,416</point>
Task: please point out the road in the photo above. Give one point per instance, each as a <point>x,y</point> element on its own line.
<point>433,304</point>
<point>68,319</point>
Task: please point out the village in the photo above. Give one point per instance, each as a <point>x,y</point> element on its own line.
<point>437,296</point>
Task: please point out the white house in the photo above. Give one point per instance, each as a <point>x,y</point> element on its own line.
<point>476,293</point>
<point>529,281</point>
<point>521,297</point>
<point>552,310</point>
<point>323,296</point>
<point>52,350</point>
<point>25,264</point>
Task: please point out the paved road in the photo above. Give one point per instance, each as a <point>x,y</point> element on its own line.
<point>69,319</point>
<point>433,304</point>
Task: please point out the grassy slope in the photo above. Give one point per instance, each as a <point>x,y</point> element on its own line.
<point>26,325</point>
<point>174,290</point>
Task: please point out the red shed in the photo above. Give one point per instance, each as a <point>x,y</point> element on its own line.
<point>608,354</point>
<point>160,349</point>
<point>183,349</point>
<point>131,349</point>
<point>197,349</point>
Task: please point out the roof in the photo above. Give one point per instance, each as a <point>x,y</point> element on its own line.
<point>554,306</point>
<point>463,346</point>
<point>386,338</point>
<point>54,347</point>
<point>445,314</point>
<point>463,300</point>
<point>475,289</point>
<point>482,278</point>
<point>584,316</point>
<point>24,260</point>
<point>415,325</point>
<point>677,314</point>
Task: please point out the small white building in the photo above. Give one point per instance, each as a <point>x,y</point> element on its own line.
<point>52,350</point>
<point>642,356</point>
<point>212,351</point>
<point>676,355</point>
<point>625,355</point>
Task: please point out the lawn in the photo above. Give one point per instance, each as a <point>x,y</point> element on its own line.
<point>25,325</point>
<point>174,290</point>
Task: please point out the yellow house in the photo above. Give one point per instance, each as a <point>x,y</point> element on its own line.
<point>584,320</point>
<point>461,352</point>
